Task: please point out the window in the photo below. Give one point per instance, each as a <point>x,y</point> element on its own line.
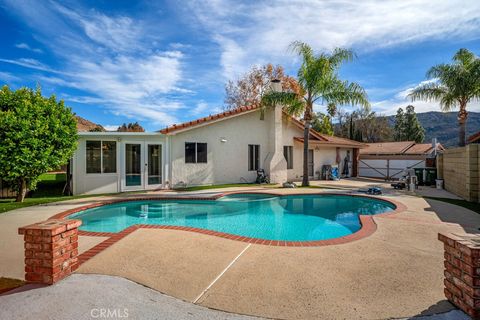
<point>195,152</point>
<point>101,156</point>
<point>94,157</point>
<point>109,157</point>
<point>253,157</point>
<point>288,154</point>
<point>190,152</point>
<point>201,152</point>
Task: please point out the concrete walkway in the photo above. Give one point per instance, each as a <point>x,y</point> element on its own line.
<point>97,294</point>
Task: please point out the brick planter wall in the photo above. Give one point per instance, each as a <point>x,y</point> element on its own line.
<point>51,250</point>
<point>462,272</point>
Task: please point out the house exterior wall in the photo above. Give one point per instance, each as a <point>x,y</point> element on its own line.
<point>227,154</point>
<point>96,183</point>
<point>227,162</point>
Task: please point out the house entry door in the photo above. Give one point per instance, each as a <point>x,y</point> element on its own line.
<point>142,166</point>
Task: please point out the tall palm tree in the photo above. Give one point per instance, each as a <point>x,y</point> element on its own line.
<point>453,85</point>
<point>319,83</point>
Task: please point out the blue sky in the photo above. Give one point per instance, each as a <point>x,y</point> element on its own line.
<point>167,62</point>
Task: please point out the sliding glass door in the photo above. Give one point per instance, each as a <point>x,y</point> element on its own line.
<point>142,166</point>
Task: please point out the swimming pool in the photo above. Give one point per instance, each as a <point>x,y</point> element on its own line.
<point>262,216</point>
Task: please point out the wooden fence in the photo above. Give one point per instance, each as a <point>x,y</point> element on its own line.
<point>460,169</point>
<point>5,190</point>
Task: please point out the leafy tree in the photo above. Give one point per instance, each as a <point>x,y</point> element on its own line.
<point>413,129</point>
<point>331,110</point>
<point>399,127</point>
<point>131,127</point>
<point>407,127</point>
<point>369,127</point>
<point>363,125</point>
<point>319,82</point>
<point>248,90</point>
<point>37,134</point>
<point>453,85</point>
<point>322,123</point>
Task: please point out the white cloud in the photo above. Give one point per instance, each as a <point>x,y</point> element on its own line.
<point>30,63</point>
<point>25,46</point>
<point>8,77</point>
<point>204,108</point>
<point>111,58</point>
<point>261,31</point>
<point>401,100</point>
<point>403,94</point>
<point>111,127</point>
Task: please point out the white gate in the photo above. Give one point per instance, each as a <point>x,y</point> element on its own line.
<point>387,169</point>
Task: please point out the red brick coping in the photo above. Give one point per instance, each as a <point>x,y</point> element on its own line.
<point>368,225</point>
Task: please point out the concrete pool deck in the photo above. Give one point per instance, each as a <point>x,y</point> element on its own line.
<point>395,272</point>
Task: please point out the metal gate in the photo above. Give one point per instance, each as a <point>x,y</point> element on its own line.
<point>388,169</point>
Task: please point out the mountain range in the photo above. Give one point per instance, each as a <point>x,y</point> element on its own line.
<point>444,126</point>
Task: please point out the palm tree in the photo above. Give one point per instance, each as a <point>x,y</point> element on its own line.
<point>319,83</point>
<point>453,85</point>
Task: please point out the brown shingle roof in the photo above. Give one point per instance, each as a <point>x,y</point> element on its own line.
<point>399,147</point>
<point>321,138</point>
<point>226,114</point>
<point>387,147</point>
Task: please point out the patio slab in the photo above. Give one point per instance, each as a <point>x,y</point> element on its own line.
<point>177,263</point>
<point>395,272</point>
<point>11,243</point>
<point>94,293</point>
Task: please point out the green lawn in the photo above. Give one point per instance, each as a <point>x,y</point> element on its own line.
<point>474,206</point>
<point>10,204</point>
<point>49,185</point>
<point>49,189</point>
<point>219,186</point>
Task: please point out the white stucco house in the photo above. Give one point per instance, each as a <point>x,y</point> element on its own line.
<point>218,149</point>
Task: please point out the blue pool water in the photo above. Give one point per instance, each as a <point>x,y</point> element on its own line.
<point>289,218</point>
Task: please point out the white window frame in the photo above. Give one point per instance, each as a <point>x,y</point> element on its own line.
<point>256,155</point>
<point>195,152</point>
<point>101,157</point>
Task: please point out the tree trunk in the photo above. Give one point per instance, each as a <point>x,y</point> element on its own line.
<point>306,135</point>
<point>67,191</point>
<point>21,190</point>
<point>462,120</point>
